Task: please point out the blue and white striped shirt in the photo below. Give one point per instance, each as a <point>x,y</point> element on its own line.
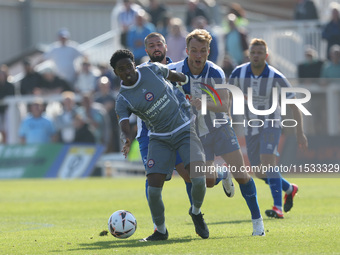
<point>210,75</point>
<point>262,86</point>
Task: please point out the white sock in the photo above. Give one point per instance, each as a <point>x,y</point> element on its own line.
<point>278,207</point>
<point>154,227</point>
<point>161,228</point>
<point>195,210</point>
<point>257,220</point>
<point>289,190</point>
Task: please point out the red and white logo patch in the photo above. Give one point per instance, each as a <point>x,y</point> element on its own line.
<point>150,163</point>
<point>149,96</point>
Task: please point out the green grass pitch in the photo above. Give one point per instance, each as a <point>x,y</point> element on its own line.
<point>54,216</point>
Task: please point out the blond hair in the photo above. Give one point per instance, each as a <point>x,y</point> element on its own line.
<point>258,42</point>
<point>200,35</point>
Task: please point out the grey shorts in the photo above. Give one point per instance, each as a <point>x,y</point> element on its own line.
<point>162,150</point>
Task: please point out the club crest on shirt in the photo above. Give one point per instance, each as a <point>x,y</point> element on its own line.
<point>150,163</point>
<point>149,96</point>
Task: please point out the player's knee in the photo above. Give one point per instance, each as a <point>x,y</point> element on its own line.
<point>154,193</point>
<point>210,182</point>
<point>242,177</point>
<point>198,181</point>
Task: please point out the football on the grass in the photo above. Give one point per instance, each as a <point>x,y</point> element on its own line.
<point>122,224</point>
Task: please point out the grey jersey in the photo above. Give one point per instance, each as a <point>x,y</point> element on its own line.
<point>152,98</point>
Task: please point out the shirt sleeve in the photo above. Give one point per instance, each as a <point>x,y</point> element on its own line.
<point>22,129</point>
<point>122,108</point>
<point>233,78</point>
<point>217,77</point>
<point>161,69</point>
<point>282,82</point>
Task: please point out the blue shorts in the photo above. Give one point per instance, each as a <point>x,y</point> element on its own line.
<point>266,142</point>
<point>143,148</point>
<point>219,142</point>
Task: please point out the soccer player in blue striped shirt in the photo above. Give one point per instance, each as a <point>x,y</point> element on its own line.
<point>262,136</point>
<point>217,140</point>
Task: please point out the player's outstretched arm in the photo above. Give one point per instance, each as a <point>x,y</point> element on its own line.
<point>178,77</point>
<point>125,136</point>
<point>300,135</point>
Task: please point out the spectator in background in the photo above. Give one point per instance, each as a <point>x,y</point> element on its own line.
<point>64,121</point>
<point>136,35</point>
<point>311,67</point>
<point>236,44</point>
<point>305,10</point>
<point>63,54</point>
<point>331,32</point>
<point>241,21</point>
<point>52,83</point>
<point>32,82</point>
<point>163,26</point>
<point>176,40</point>
<point>127,19</point>
<point>105,95</point>
<point>37,129</point>
<point>201,22</point>
<point>105,71</point>
<point>96,116</point>
<point>157,12</point>
<point>213,10</point>
<point>331,69</point>
<point>227,66</point>
<point>83,131</point>
<point>308,73</point>
<point>194,9</point>
<point>107,98</point>
<point>86,81</point>
<point>6,89</point>
<point>330,74</point>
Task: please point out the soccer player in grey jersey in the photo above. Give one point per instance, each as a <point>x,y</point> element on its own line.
<point>217,140</point>
<point>147,93</point>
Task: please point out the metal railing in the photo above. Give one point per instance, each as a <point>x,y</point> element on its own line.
<point>97,49</point>
<point>286,41</point>
<point>331,109</point>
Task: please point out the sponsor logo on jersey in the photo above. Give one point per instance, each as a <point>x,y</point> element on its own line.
<point>157,104</point>
<point>149,96</point>
<point>150,163</point>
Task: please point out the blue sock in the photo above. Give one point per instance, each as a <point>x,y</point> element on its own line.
<point>146,189</point>
<point>285,184</point>
<point>248,191</point>
<point>189,186</point>
<point>275,184</point>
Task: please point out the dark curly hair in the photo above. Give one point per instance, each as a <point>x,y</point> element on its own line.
<point>120,54</point>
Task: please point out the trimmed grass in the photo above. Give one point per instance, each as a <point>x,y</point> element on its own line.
<point>54,216</point>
